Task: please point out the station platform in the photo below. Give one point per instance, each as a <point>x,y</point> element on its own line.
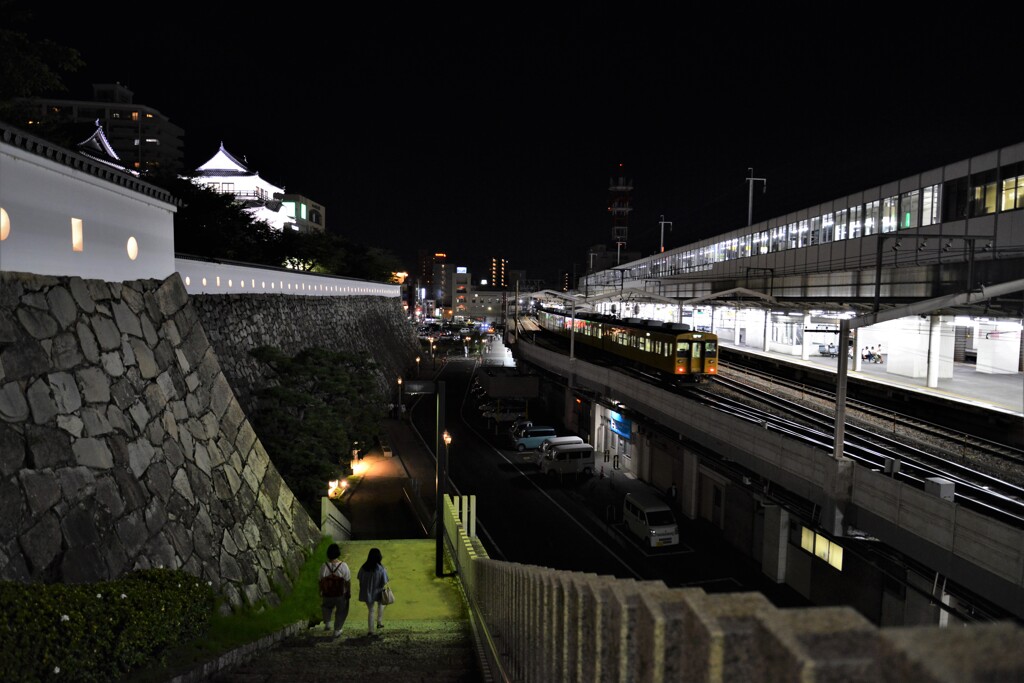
<point>1002,393</point>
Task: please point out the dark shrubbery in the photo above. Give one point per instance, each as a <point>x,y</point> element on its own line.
<point>99,632</point>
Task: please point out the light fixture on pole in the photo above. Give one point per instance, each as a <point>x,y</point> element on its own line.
<point>400,406</point>
<point>417,367</point>
<point>663,224</point>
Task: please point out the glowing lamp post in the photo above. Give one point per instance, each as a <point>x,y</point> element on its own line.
<point>442,476</point>
<point>417,367</point>
<point>400,398</point>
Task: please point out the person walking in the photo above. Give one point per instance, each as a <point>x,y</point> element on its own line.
<point>335,589</point>
<point>372,579</point>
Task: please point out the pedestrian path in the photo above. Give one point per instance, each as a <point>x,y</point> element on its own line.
<point>427,633</point>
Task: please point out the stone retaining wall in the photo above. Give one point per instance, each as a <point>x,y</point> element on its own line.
<point>122,445</point>
<point>363,326</point>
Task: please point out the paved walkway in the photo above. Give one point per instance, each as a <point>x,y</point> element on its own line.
<point>427,634</point>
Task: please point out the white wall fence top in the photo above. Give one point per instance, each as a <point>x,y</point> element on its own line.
<point>207,276</point>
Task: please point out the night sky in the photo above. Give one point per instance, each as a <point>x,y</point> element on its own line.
<point>493,129</point>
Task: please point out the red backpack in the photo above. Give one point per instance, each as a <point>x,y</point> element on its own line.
<point>333,585</point>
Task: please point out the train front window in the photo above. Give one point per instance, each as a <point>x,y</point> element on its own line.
<point>696,350</point>
<point>682,349</point>
<point>710,349</point>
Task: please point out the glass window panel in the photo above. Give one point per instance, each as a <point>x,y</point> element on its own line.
<point>841,218</point>
<point>890,209</point>
<point>871,218</point>
<point>827,228</point>
<point>856,222</point>
<point>910,207</point>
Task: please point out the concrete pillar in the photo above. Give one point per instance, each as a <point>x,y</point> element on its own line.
<point>767,329</point>
<point>934,350</point>
<point>775,543</point>
<point>805,353</point>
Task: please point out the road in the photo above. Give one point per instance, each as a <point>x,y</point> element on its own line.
<point>570,524</point>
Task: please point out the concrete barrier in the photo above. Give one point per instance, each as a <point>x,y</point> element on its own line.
<point>541,624</point>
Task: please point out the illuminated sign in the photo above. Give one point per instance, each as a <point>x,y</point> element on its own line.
<point>461,270</point>
<point>621,425</point>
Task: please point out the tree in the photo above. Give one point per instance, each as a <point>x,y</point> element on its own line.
<point>317,405</point>
<point>213,225</point>
<point>32,68</point>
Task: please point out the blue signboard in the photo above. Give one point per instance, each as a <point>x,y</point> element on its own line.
<point>621,425</point>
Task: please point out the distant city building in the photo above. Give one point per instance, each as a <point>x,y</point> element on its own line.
<point>306,215</point>
<point>144,139</point>
<point>263,200</point>
<point>498,274</point>
<point>461,288</point>
<point>485,303</point>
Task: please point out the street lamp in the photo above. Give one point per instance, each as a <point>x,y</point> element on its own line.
<point>400,411</point>
<point>417,367</point>
<point>442,477</point>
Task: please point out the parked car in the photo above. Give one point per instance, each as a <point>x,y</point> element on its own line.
<point>504,414</point>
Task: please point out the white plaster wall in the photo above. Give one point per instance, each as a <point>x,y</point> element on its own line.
<point>41,196</point>
<point>211,277</point>
<point>998,344</point>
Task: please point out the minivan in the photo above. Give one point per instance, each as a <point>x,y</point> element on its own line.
<point>569,458</point>
<point>531,437</point>
<point>650,518</point>
<point>552,441</point>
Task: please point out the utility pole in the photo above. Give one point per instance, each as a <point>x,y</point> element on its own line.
<point>663,223</point>
<point>750,201</point>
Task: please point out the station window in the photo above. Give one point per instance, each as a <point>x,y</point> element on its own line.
<point>890,218</point>
<point>910,207</point>
<point>1013,188</point>
<point>930,205</point>
<point>821,547</point>
<point>983,193</point>
<point>871,218</point>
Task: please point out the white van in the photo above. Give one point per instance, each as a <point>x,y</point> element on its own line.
<point>531,437</point>
<point>650,518</point>
<point>569,458</point>
<point>552,441</point>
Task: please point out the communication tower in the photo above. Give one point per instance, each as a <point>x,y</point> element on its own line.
<point>619,206</point>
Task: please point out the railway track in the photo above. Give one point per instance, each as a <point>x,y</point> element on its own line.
<point>990,456</point>
<point>973,487</point>
<point>988,476</point>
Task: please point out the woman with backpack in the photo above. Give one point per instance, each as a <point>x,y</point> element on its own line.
<point>335,589</point>
<point>372,580</point>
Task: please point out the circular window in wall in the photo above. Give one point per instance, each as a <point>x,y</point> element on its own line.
<point>133,248</point>
<point>5,225</point>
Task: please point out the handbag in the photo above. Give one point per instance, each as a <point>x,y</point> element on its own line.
<point>387,597</point>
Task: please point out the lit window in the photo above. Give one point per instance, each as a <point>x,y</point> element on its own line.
<point>133,248</point>
<point>77,241</point>
<point>229,283</point>
<point>218,280</point>
<point>5,225</point>
<point>188,280</point>
<point>204,282</point>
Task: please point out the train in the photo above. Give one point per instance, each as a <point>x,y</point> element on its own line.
<point>670,350</point>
